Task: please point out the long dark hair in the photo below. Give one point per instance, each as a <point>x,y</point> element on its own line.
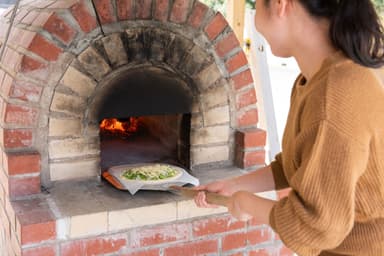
<point>355,28</point>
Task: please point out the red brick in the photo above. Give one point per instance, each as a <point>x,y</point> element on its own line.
<point>193,248</point>
<point>179,11</point>
<point>251,138</point>
<point>25,91</point>
<point>28,64</point>
<point>160,235</point>
<point>84,18</point>
<point>259,236</point>
<point>36,226</point>
<point>74,248</point>
<point>253,158</point>
<point>104,245</point>
<point>216,225</point>
<point>60,29</point>
<point>105,11</point>
<point>235,62</point>
<point>248,118</point>
<point>226,45</point>
<point>216,26</point>
<point>162,9</point>
<point>22,163</point>
<point>260,252</point>
<point>143,9</point>
<point>125,9</point>
<point>39,251</point>
<point>24,186</point>
<point>93,246</point>
<point>20,115</point>
<point>150,252</point>
<point>16,138</point>
<point>236,254</point>
<point>44,48</point>
<point>242,79</point>
<point>246,98</point>
<point>234,241</point>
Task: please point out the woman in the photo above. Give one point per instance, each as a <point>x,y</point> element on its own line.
<point>333,146</point>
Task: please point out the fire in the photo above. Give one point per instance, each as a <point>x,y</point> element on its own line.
<point>114,126</point>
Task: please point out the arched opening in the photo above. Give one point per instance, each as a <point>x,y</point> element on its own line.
<point>144,115</point>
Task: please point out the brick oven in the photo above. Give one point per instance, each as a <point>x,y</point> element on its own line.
<point>176,68</point>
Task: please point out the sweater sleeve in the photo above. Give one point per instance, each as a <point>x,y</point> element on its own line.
<point>319,211</point>
<point>278,173</point>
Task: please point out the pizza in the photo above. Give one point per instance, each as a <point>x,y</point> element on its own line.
<point>152,173</point>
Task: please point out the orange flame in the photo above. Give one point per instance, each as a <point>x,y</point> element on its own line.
<point>114,126</point>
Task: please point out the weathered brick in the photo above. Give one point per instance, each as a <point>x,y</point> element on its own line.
<point>49,250</point>
<point>242,79</point>
<point>60,29</point>
<point>216,116</point>
<point>125,9</point>
<point>115,50</point>
<point>65,127</point>
<point>141,238</point>
<point>247,118</point>
<point>73,147</point>
<point>259,236</point>
<point>162,10</point>
<point>216,26</point>
<point>29,64</point>
<point>79,82</point>
<point>83,16</point>
<point>246,98</point>
<point>16,138</point>
<point>105,11</point>
<point>179,11</point>
<point>235,62</point>
<point>25,91</point>
<point>250,138</point>
<point>94,63</point>
<point>208,76</point>
<point>234,241</point>
<point>209,135</point>
<point>68,104</point>
<point>21,115</point>
<point>226,44</point>
<point>203,155</point>
<point>145,252</point>
<point>248,159</point>
<point>217,225</point>
<point>44,48</point>
<point>193,248</point>
<point>197,16</point>
<point>143,9</point>
<point>104,245</point>
<point>21,163</point>
<point>24,186</point>
<point>36,226</point>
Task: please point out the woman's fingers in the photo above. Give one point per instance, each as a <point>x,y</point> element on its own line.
<point>201,201</point>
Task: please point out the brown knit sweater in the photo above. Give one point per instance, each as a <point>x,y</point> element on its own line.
<point>333,159</point>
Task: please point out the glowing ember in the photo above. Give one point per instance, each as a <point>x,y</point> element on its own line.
<point>114,126</point>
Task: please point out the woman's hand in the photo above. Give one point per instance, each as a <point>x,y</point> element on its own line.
<point>236,205</point>
<point>222,187</point>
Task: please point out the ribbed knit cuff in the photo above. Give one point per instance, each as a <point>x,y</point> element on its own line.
<point>278,175</point>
